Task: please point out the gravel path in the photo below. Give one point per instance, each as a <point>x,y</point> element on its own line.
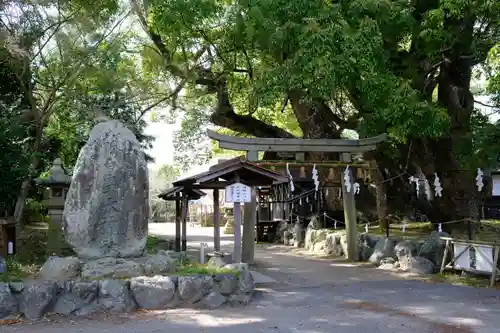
<point>314,296</point>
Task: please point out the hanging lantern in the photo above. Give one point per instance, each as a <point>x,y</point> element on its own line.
<point>302,172</point>
<point>360,173</point>
<point>331,175</point>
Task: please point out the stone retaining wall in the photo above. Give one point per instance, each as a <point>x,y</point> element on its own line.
<point>418,257</point>
<point>33,299</point>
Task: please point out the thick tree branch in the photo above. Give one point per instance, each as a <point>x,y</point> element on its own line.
<point>225,116</point>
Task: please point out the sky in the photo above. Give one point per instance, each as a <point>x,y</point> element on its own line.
<point>163,146</point>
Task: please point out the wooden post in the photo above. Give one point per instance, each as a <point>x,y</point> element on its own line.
<point>250,220</point>
<point>495,263</point>
<point>237,232</point>
<point>237,229</point>
<point>185,208</point>
<point>445,255</point>
<point>298,226</point>
<point>216,220</point>
<point>178,222</point>
<point>350,213</point>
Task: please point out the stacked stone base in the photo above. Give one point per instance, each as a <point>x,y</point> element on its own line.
<point>391,253</point>
<point>34,299</point>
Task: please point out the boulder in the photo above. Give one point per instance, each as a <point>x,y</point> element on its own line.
<point>155,292</point>
<point>406,249</point>
<point>8,303</point>
<point>314,223</point>
<point>366,245</point>
<point>115,297</point>
<point>383,249</point>
<point>57,268</point>
<point>319,248</point>
<point>36,298</point>
<point>332,244</point>
<point>343,244</point>
<point>111,268</point>
<point>388,264</point>
<point>240,299</point>
<point>388,260</point>
<point>246,282</point>
<point>417,265</point>
<point>433,247</point>
<point>76,296</point>
<point>16,287</point>
<point>107,206</point>
<point>213,300</point>
<point>160,263</point>
<point>193,288</point>
<point>314,236</point>
<point>226,283</point>
<point>217,262</point>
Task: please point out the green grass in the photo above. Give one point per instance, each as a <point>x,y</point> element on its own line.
<point>418,230</point>
<point>488,230</point>
<point>154,244</point>
<point>457,278</point>
<point>16,271</point>
<point>198,269</point>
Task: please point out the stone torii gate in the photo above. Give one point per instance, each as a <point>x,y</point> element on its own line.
<point>344,147</point>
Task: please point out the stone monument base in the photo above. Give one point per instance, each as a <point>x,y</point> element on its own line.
<point>62,268</point>
<point>76,297</point>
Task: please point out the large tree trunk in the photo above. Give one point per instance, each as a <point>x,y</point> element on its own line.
<point>25,187</point>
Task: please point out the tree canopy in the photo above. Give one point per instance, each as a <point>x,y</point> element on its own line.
<point>313,69</point>
<point>262,68</point>
<point>64,62</point>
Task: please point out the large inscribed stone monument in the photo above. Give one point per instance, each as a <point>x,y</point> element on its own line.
<point>107,207</point>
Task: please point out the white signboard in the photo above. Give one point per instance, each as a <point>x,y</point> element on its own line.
<point>484,258</point>
<point>238,193</point>
<point>496,185</point>
<point>464,260</point>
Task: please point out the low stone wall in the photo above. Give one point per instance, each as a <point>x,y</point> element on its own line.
<point>419,257</point>
<point>33,299</point>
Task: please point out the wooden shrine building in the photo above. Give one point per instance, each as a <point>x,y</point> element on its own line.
<point>218,177</point>
<point>175,194</point>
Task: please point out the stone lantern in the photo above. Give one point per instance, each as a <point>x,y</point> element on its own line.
<point>57,183</point>
<point>229,218</point>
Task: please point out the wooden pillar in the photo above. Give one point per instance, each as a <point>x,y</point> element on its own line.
<point>185,210</point>
<point>250,220</point>
<point>216,220</point>
<point>350,213</point>
<point>298,222</point>
<point>237,232</point>
<point>178,222</point>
